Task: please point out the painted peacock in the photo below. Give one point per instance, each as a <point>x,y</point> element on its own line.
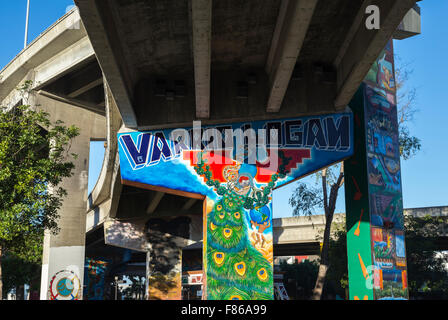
<point>235,269</point>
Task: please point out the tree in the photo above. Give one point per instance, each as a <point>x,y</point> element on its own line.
<point>18,271</point>
<point>34,158</point>
<point>305,199</point>
<point>136,291</point>
<point>406,98</point>
<point>427,268</point>
<point>338,273</point>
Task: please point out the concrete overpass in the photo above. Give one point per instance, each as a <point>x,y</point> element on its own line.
<point>301,235</point>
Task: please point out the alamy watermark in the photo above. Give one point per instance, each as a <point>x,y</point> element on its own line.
<point>228,145</point>
<point>373,20</point>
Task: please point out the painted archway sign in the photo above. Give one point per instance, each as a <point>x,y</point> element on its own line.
<point>235,167</point>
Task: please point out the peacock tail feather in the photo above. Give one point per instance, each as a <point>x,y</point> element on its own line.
<point>235,269</point>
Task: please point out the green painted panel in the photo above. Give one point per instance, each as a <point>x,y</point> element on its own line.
<point>357,208</point>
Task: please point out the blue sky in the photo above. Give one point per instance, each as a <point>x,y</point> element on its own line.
<point>43,13</point>
<point>424,177</point>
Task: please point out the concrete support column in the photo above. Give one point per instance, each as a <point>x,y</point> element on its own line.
<point>164,270</point>
<point>164,263</point>
<point>63,253</point>
<point>374,205</point>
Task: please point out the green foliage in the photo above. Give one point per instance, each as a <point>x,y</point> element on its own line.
<point>18,271</point>
<point>391,289</point>
<point>409,145</point>
<point>33,162</point>
<point>34,159</point>
<point>136,291</point>
<point>305,199</point>
<point>427,274</point>
<point>299,278</point>
<point>337,273</point>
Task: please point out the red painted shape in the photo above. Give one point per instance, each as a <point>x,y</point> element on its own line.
<point>218,160</point>
<point>300,259</point>
<point>297,156</point>
<point>404,279</point>
<point>358,193</point>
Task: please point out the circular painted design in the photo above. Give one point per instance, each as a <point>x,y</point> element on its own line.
<point>65,285</point>
<point>261,215</point>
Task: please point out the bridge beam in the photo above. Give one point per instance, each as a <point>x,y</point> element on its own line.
<point>365,47</point>
<point>103,33</point>
<point>62,63</point>
<point>290,31</point>
<point>202,36</point>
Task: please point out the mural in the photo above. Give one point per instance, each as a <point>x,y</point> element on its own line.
<point>386,203</point>
<point>65,285</point>
<point>382,72</point>
<point>238,245</point>
<point>95,271</point>
<point>238,262</point>
<point>163,158</point>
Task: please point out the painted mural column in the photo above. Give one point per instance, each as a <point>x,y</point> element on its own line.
<point>237,241</point>
<point>237,245</point>
<point>373,191</point>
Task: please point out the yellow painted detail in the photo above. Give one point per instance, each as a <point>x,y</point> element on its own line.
<point>227,232</point>
<point>240,268</point>
<point>219,258</point>
<point>262,274</point>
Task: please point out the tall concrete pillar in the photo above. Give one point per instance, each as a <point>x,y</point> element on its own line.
<point>63,253</point>
<point>164,271</point>
<point>166,239</point>
<point>373,191</point>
